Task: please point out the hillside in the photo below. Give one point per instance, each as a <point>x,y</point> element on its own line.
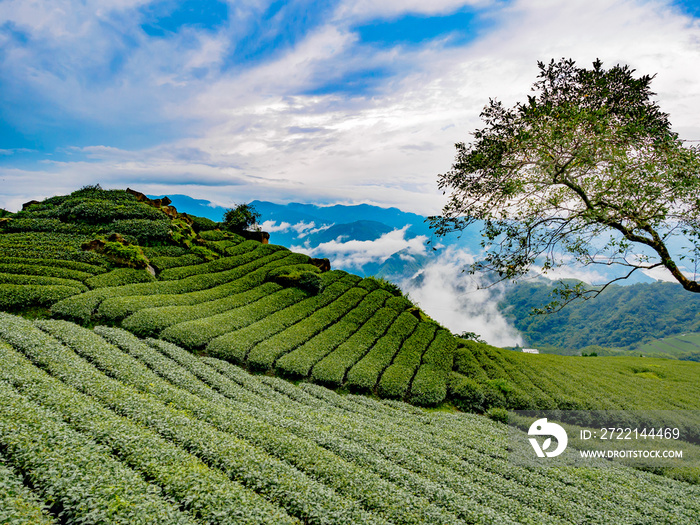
<point>112,429</point>
<point>125,358</point>
<point>624,317</point>
<point>182,279</point>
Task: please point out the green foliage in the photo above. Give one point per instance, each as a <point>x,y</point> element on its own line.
<point>205,253</point>
<point>143,230</point>
<point>223,446</point>
<point>19,296</point>
<point>498,414</point>
<point>304,276</point>
<point>166,262</point>
<point>586,171</point>
<point>620,317</point>
<point>240,218</point>
<point>201,224</point>
<point>125,254</point>
<point>120,277</point>
<point>385,284</point>
<point>48,271</point>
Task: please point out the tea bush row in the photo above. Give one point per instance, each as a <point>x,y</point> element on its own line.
<point>206,493</point>
<point>47,271</point>
<point>40,280</point>
<point>299,362</point>
<point>237,279</point>
<point>264,355</point>
<point>396,379</point>
<point>18,504</point>
<point>161,263</point>
<point>219,265</point>
<point>235,338</point>
<point>151,321</point>
<point>363,376</point>
<point>331,370</point>
<point>512,495</point>
<point>237,444</point>
<point>120,277</point>
<point>356,483</point>
<point>429,386</point>
<point>71,265</point>
<point>81,477</point>
<point>19,296</point>
<point>81,308</point>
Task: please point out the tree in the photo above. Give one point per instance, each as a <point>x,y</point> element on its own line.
<point>586,171</point>
<point>240,218</point>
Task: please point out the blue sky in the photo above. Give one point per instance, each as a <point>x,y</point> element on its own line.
<point>325,102</point>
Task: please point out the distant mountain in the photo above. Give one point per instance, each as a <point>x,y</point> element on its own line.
<point>365,239</point>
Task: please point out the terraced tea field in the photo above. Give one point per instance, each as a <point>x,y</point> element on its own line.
<point>100,426</point>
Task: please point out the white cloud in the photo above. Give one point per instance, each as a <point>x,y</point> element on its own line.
<point>458,300</point>
<point>385,147</point>
<point>355,254</point>
<point>272,226</point>
<point>363,9</point>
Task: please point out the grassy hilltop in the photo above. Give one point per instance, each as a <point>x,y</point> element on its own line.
<point>125,396</point>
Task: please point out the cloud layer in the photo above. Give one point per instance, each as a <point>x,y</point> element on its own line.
<point>284,102</point>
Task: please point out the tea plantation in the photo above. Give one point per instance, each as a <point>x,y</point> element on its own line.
<point>126,393</point>
<point>102,427</point>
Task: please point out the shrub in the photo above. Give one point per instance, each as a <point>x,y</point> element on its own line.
<point>465,393</point>
<point>125,254</point>
<point>498,414</point>
<point>240,218</point>
<point>119,277</point>
<point>200,224</point>
<point>429,386</point>
<point>384,284</point>
<point>144,230</point>
<point>19,296</point>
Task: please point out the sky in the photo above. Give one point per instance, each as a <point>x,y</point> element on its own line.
<point>323,102</point>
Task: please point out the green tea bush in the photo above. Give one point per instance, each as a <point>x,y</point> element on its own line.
<point>265,354</point>
<point>82,308</point>
<point>250,250</point>
<point>466,393</point>
<point>71,265</point>
<point>200,224</point>
<point>165,262</point>
<point>208,494</point>
<point>304,276</point>
<point>19,296</point>
<point>197,333</point>
<point>22,225</point>
<point>47,271</point>
<point>299,362</point>
<point>151,321</point>
<point>331,370</point>
<point>144,230</point>
<point>40,280</point>
<point>166,250</point>
<point>18,504</point>
<point>364,375</point>
<point>125,254</point>
<point>205,253</point>
<point>236,280</point>
<point>396,379</point>
<point>429,386</point>
<point>84,478</point>
<point>299,305</point>
<point>120,277</point>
